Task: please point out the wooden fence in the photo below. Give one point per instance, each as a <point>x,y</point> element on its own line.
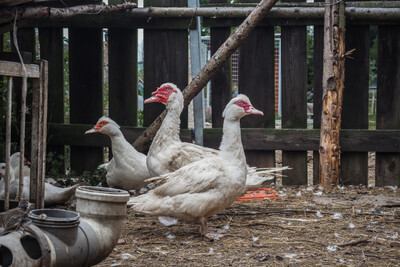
<point>166,60</point>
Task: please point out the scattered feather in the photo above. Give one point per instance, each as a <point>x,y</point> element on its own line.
<point>351,225</point>
<point>126,256</point>
<point>167,221</point>
<point>319,214</point>
<point>290,255</point>
<point>170,236</point>
<point>298,194</point>
<point>395,236</point>
<point>255,238</point>
<point>331,248</point>
<point>211,251</point>
<point>337,215</point>
<point>336,235</point>
<point>319,193</point>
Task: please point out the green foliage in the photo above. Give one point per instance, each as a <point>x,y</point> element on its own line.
<point>55,170</point>
<point>66,80</point>
<point>94,178</point>
<point>140,118</point>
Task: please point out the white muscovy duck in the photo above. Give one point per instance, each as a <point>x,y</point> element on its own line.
<point>207,186</point>
<point>15,163</point>
<point>53,195</point>
<point>168,153</point>
<point>127,169</point>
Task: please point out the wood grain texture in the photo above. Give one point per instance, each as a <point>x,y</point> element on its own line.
<point>354,166</point>
<point>52,50</point>
<point>294,106</point>
<point>86,90</point>
<point>388,99</point>
<point>257,82</point>
<point>123,78</point>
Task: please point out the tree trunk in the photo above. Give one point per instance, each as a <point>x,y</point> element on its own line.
<point>214,64</point>
<point>332,84</point>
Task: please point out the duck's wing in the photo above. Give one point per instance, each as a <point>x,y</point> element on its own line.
<point>197,177</point>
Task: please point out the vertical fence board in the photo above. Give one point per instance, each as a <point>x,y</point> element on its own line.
<point>86,90</point>
<point>123,75</point>
<point>354,165</point>
<point>52,50</point>
<point>317,94</point>
<point>257,82</point>
<point>221,87</point>
<point>221,83</point>
<point>165,60</point>
<point>294,105</point>
<point>388,97</point>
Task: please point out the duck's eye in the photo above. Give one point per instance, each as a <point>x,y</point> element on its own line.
<point>240,103</point>
<point>103,123</point>
<point>167,88</point>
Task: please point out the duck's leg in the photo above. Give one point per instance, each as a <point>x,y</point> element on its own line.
<point>215,235</point>
<point>203,226</point>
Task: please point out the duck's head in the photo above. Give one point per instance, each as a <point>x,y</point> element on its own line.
<point>239,107</point>
<point>167,93</point>
<point>104,125</point>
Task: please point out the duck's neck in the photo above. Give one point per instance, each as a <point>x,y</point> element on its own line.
<point>231,144</point>
<point>171,124</point>
<point>119,143</point>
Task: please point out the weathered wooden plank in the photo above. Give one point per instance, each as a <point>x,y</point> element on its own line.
<point>258,139</point>
<point>388,97</point>
<point>164,63</point>
<point>52,50</point>
<point>354,165</point>
<point>317,93</point>
<point>74,134</point>
<point>294,106</point>
<point>14,69</point>
<point>256,80</point>
<point>352,140</point>
<point>86,90</point>
<point>122,58</point>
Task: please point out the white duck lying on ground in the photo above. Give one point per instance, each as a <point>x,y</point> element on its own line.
<point>53,195</point>
<point>168,153</point>
<point>127,169</point>
<point>207,186</point>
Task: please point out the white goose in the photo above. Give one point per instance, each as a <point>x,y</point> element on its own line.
<point>168,153</point>
<point>127,169</point>
<point>53,195</point>
<point>207,186</point>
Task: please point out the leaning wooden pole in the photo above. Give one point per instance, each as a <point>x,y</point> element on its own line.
<point>333,85</point>
<point>211,67</point>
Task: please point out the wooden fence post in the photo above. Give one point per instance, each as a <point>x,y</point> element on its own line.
<point>333,84</point>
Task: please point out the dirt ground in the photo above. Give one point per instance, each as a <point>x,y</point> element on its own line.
<point>352,226</point>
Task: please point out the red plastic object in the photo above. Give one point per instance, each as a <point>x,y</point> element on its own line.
<point>259,194</point>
